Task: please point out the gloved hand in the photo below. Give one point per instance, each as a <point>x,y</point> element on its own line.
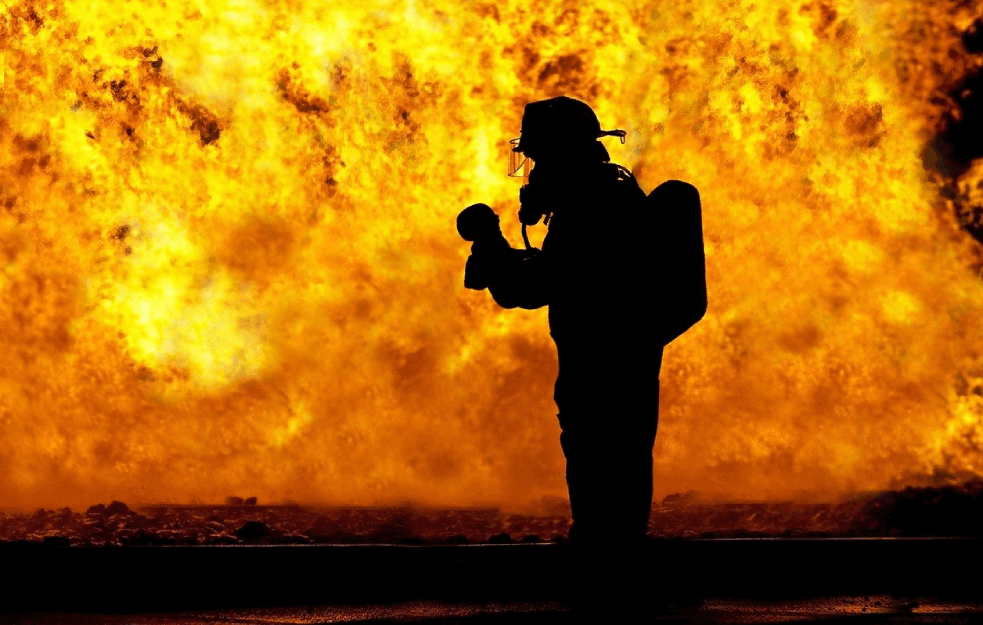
<point>530,211</point>
<point>475,274</point>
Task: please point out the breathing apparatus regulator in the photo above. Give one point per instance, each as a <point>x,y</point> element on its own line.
<point>551,127</point>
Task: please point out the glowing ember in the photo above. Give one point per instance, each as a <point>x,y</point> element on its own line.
<point>229,257</point>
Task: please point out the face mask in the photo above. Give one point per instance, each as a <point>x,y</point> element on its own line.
<point>519,163</point>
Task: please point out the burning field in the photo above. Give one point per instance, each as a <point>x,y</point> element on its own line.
<point>955,510</point>
<point>228,260</point>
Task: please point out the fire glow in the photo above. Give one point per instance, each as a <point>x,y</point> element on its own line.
<point>229,261</point>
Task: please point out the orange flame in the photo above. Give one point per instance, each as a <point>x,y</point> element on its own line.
<point>229,262</point>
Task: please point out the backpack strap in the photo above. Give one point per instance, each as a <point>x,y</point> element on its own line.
<point>623,172</point>
<point>626,178</point>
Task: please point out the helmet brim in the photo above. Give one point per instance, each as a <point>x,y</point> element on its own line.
<point>519,147</point>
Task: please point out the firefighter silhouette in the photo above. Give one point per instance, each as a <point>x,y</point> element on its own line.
<point>623,274</point>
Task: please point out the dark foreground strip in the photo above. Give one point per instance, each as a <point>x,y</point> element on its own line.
<point>173,578</point>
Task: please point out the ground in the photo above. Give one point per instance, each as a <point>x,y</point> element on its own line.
<point>860,610</point>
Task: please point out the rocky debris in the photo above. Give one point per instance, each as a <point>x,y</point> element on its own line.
<point>117,507</point>
<point>931,510</point>
<point>293,539</point>
<point>253,530</point>
<point>140,538</point>
<point>457,539</point>
<point>220,539</point>
<point>500,539</point>
<point>678,499</point>
<point>952,510</point>
<point>56,541</point>
<point>322,528</point>
<point>412,540</point>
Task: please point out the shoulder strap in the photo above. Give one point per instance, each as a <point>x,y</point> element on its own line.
<point>623,172</point>
<point>626,178</point>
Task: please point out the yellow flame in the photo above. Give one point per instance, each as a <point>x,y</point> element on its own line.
<point>229,263</point>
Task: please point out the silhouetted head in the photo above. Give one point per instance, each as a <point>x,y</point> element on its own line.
<point>562,128</point>
<point>478,222</point>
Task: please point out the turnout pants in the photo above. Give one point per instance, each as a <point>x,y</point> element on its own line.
<point>608,431</point>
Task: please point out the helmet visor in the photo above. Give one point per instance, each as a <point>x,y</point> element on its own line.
<point>519,163</point>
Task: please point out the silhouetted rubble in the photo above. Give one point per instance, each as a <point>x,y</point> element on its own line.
<point>933,510</point>
<point>928,511</point>
<point>56,541</point>
<point>117,507</point>
<point>139,538</point>
<point>253,530</point>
